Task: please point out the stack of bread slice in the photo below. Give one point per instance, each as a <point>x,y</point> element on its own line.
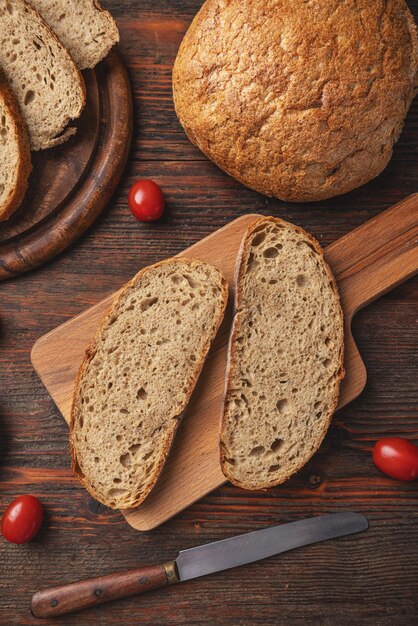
<point>43,46</point>
<point>285,365</point>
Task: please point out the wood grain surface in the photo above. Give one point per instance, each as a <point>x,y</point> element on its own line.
<point>370,579</point>
<point>70,185</point>
<point>375,257</point>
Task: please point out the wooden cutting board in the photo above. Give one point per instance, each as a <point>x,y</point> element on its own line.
<point>367,262</point>
<point>71,184</point>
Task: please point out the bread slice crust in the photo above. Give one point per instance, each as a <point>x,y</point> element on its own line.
<point>229,464</point>
<point>47,83</point>
<point>20,139</point>
<point>140,491</point>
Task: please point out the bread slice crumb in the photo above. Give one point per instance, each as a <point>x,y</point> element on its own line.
<point>137,377</point>
<point>84,27</point>
<point>48,85</point>
<point>15,160</point>
<point>285,356</point>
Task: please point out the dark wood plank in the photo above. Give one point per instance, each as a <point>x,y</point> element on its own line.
<point>369,579</point>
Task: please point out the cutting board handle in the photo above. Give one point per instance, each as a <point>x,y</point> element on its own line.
<point>377,256</point>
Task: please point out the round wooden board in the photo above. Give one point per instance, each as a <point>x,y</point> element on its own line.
<point>71,184</point>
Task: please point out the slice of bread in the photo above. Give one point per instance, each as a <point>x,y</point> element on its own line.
<point>47,83</point>
<point>86,29</point>
<point>137,377</point>
<point>15,161</point>
<point>285,356</point>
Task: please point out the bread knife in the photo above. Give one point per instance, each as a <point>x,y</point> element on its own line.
<point>195,562</point>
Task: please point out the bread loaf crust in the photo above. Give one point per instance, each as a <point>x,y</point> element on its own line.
<point>241,268</point>
<point>23,166</point>
<point>133,502</point>
<point>297,99</point>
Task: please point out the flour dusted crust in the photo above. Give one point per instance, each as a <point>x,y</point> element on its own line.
<point>299,99</point>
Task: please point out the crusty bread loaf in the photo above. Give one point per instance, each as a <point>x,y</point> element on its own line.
<point>285,356</point>
<point>15,162</point>
<point>84,27</point>
<point>299,99</point>
<point>138,376</point>
<point>47,83</point>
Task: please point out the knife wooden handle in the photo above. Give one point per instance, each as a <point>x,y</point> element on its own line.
<point>95,591</point>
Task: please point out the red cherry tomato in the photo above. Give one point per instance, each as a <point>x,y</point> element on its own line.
<point>396,457</point>
<point>22,519</point>
<point>146,200</point>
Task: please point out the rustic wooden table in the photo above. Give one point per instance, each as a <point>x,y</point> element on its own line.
<point>369,579</point>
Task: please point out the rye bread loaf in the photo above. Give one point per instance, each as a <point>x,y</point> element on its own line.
<point>47,83</point>
<point>15,161</point>
<point>84,27</point>
<point>137,377</point>
<point>299,99</point>
<point>285,358</point>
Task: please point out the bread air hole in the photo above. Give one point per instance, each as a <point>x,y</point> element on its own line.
<point>252,263</point>
<point>134,448</point>
<point>125,460</point>
<point>147,303</point>
<point>141,394</point>
<point>282,405</point>
<point>116,493</point>
<point>301,280</point>
<point>192,283</point>
<point>29,97</point>
<point>258,239</point>
<point>277,444</point>
<point>257,451</point>
<point>271,253</point>
<point>273,468</point>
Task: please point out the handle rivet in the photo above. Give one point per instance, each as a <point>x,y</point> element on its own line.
<point>54,603</point>
<point>97,592</point>
<point>143,580</point>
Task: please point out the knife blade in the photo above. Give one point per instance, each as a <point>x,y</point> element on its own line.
<point>261,544</point>
<point>196,562</point>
